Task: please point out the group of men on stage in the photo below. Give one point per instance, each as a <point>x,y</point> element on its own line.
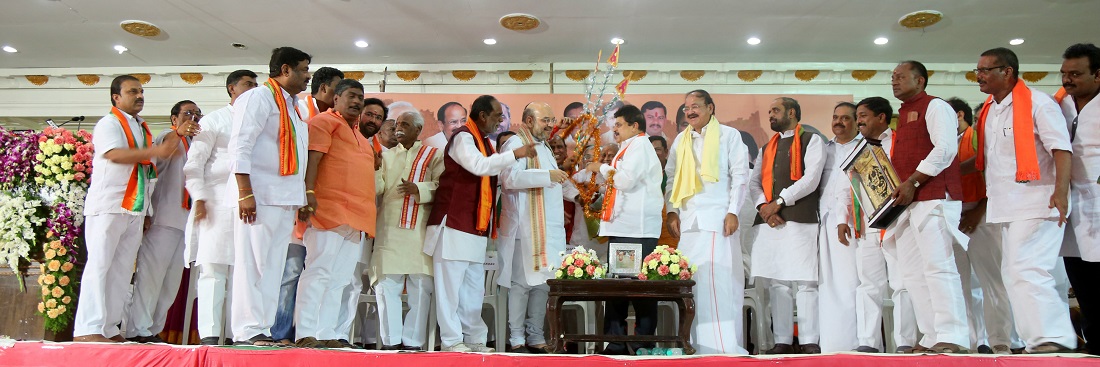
<point>282,204</point>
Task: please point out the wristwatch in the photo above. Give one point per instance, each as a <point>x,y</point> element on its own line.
<point>780,202</point>
<point>916,183</point>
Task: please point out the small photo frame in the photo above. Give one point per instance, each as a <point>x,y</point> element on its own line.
<point>624,259</point>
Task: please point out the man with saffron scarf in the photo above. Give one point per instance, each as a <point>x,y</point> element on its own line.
<point>1081,82</point>
<point>317,102</point>
<point>159,271</point>
<point>267,150</point>
<point>460,225</point>
<point>532,229</point>
<point>340,211</point>
<point>1025,151</point>
<point>784,186</point>
<point>115,207</point>
<point>707,171</point>
<point>407,183</point>
<point>923,156</point>
<point>631,213</point>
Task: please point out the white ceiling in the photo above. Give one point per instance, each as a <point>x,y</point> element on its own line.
<point>81,33</point>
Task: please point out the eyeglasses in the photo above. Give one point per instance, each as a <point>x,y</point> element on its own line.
<point>548,120</point>
<point>987,70</point>
<point>195,114</point>
<point>692,108</point>
<point>374,116</point>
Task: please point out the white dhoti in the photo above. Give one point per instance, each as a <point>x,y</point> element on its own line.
<point>331,256</point>
<point>459,283</point>
<point>258,258</point>
<point>112,242</point>
<point>975,300</point>
<point>1030,249</point>
<point>877,267</point>
<point>719,291</point>
<point>159,272</point>
<point>786,257</point>
<point>925,234</point>
<point>984,252</point>
<point>413,331</point>
<point>214,260</point>
<point>837,290</point>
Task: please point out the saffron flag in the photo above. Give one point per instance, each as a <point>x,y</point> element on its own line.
<point>614,58</point>
<point>621,88</point>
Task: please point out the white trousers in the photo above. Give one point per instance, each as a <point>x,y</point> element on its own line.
<point>782,298</point>
<point>259,254</point>
<point>460,292</point>
<point>877,268</point>
<point>527,313</point>
<point>1030,256</point>
<point>350,299</point>
<point>837,291</point>
<point>927,261</point>
<point>329,269</point>
<point>214,287</point>
<point>112,242</point>
<point>413,331</point>
<point>972,295</point>
<point>159,272</point>
<point>719,291</point>
<point>984,252</point>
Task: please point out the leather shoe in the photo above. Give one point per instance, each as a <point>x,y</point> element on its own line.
<point>866,349</point>
<point>780,348</point>
<point>210,340</point>
<point>811,349</point>
<point>393,347</point>
<point>984,349</point>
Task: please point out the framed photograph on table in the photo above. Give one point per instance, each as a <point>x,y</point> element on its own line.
<point>624,259</point>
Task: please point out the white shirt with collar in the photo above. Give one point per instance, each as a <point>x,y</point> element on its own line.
<point>1085,191</point>
<point>835,183</point>
<point>109,179</point>
<point>638,198</point>
<point>707,209</point>
<point>254,150</point>
<point>1010,200</point>
<point>943,125</point>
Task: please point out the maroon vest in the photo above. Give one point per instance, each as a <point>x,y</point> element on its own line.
<point>457,195</point>
<point>913,145</point>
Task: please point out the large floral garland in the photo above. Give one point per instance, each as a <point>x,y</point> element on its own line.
<point>44,178</point>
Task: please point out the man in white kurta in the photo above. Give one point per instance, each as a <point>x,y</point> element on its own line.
<point>159,270</point>
<point>1081,248</point>
<point>114,213</point>
<point>532,229</point>
<point>706,222</point>
<point>876,264</point>
<point>458,246</point>
<point>785,252</point>
<point>209,234</point>
<point>1027,182</point>
<point>839,279</point>
<point>406,183</point>
<point>266,188</point>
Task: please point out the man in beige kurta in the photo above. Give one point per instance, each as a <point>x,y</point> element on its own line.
<point>407,182</point>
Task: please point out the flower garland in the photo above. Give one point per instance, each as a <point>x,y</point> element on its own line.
<point>665,263</point>
<point>65,157</point>
<point>580,264</point>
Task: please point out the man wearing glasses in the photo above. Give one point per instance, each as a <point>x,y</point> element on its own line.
<point>1025,151</point>
<point>159,270</point>
<point>450,117</point>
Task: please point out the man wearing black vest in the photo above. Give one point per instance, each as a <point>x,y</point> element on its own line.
<point>784,187</point>
<point>460,225</point>
<point>924,159</point>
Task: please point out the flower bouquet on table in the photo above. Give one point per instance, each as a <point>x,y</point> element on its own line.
<point>666,263</point>
<point>580,264</point>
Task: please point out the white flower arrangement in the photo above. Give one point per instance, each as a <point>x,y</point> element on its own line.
<point>20,220</point>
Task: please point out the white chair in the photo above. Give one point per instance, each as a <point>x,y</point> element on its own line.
<point>192,294</point>
<point>761,320</point>
<point>888,325</point>
<point>370,297</point>
<point>668,320</point>
<point>496,298</point>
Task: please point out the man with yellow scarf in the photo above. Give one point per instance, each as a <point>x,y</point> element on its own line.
<point>708,168</point>
<point>784,188</point>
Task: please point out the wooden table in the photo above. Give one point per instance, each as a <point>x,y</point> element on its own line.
<point>679,291</point>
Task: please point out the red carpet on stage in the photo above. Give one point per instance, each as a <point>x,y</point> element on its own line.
<point>85,354</point>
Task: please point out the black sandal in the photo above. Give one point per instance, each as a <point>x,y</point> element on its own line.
<point>260,340</point>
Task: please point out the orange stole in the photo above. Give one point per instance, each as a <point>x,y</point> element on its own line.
<point>288,137</point>
<point>1023,125</point>
<point>485,191</point>
<point>769,156</point>
<point>134,197</point>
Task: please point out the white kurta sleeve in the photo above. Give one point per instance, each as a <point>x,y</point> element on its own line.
<point>631,170</point>
<point>670,173</point>
<point>517,176</point>
<point>942,124</point>
<point>738,167</point>
<point>427,187</point>
<point>1050,124</point>
<point>465,153</point>
<point>249,116</point>
<point>756,186</point>
<point>811,176</point>
<point>194,171</point>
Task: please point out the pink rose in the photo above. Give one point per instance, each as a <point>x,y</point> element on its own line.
<point>58,141</point>
<point>42,139</point>
<point>684,275</point>
<point>578,262</point>
<point>663,270</point>
<point>643,277</point>
<point>571,269</point>
<point>591,270</point>
<point>79,167</point>
<point>79,176</point>
<point>683,264</point>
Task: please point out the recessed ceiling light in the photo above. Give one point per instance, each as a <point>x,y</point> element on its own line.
<point>121,49</point>
<point>881,41</point>
<point>361,44</point>
<point>753,41</point>
<point>490,41</point>
<point>617,41</point>
<point>10,49</point>
<point>1016,41</point>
